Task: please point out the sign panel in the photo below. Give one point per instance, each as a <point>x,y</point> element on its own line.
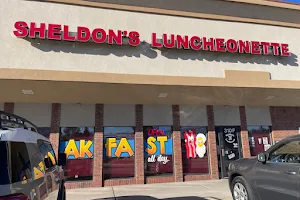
<point>171,41</point>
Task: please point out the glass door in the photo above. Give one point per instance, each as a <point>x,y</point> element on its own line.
<point>229,147</point>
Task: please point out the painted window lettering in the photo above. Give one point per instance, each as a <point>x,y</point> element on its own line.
<point>76,149</point>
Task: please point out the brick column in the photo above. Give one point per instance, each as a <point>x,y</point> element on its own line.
<point>244,133</point>
<point>212,146</point>
<point>98,147</point>
<point>55,125</point>
<point>9,107</point>
<point>177,151</point>
<point>139,146</point>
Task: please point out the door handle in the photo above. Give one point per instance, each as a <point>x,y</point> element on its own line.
<point>291,173</point>
<point>223,152</point>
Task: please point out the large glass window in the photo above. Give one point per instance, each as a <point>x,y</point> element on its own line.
<point>78,144</point>
<point>158,150</point>
<point>118,159</point>
<point>259,139</point>
<point>194,150</point>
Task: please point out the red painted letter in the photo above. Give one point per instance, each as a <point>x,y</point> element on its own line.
<point>182,42</point>
<point>220,45</point>
<point>83,34</point>
<point>112,37</point>
<point>232,46</point>
<point>99,35</point>
<point>169,44</point>
<point>193,43</point>
<point>209,44</point>
<point>134,38</point>
<point>53,31</point>
<point>285,50</point>
<point>66,35</point>
<point>154,41</point>
<point>41,30</point>
<point>275,48</point>
<point>255,48</point>
<point>244,47</point>
<point>22,29</point>
<point>265,47</point>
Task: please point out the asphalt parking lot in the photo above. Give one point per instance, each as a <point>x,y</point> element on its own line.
<point>195,190</point>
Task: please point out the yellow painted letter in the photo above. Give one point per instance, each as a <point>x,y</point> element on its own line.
<point>162,140</point>
<point>71,149</point>
<point>150,142</point>
<point>84,148</point>
<point>124,146</point>
<point>110,143</point>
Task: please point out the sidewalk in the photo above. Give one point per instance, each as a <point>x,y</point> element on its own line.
<point>195,190</point>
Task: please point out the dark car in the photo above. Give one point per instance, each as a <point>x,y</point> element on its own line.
<point>29,169</point>
<point>274,174</point>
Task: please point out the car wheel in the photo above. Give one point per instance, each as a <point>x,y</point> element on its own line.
<point>240,189</point>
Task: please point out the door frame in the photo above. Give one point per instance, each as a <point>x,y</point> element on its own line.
<point>219,138</point>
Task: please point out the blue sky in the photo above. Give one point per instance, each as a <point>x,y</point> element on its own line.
<point>292,1</point>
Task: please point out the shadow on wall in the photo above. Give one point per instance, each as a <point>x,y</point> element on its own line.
<point>144,49</point>
<point>153,198</point>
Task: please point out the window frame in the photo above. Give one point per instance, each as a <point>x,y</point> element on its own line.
<point>145,136</point>
<point>207,149</point>
<point>106,157</point>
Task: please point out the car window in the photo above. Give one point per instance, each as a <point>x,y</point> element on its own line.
<point>47,153</point>
<point>37,161</point>
<point>15,163</point>
<point>287,153</point>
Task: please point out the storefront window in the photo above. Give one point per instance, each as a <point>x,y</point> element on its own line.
<point>259,139</point>
<point>78,144</point>
<point>118,159</point>
<point>158,150</point>
<point>194,150</point>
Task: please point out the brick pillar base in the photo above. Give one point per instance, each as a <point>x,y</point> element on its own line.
<point>98,147</point>
<point>177,151</point>
<point>244,133</point>
<point>212,146</point>
<point>9,107</point>
<point>139,146</point>
<point>55,125</point>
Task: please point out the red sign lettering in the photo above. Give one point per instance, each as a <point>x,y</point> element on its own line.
<point>196,43</point>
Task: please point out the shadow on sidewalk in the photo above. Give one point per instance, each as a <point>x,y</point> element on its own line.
<point>153,198</point>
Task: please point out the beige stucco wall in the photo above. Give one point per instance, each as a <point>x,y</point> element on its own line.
<point>227,116</point>
<point>119,115</point>
<point>38,113</point>
<point>193,115</point>
<point>2,106</point>
<point>157,115</point>
<point>258,115</point>
<point>19,53</point>
<point>73,115</point>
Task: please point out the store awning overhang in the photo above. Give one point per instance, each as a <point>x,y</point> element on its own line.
<point>237,88</point>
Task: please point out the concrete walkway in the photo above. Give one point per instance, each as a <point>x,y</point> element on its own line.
<point>195,190</point>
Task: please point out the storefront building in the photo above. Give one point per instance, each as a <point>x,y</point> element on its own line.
<point>139,93</point>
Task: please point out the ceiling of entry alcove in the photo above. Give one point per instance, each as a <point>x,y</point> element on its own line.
<point>109,93</point>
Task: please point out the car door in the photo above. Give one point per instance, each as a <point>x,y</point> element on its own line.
<point>278,178</point>
<point>52,171</point>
